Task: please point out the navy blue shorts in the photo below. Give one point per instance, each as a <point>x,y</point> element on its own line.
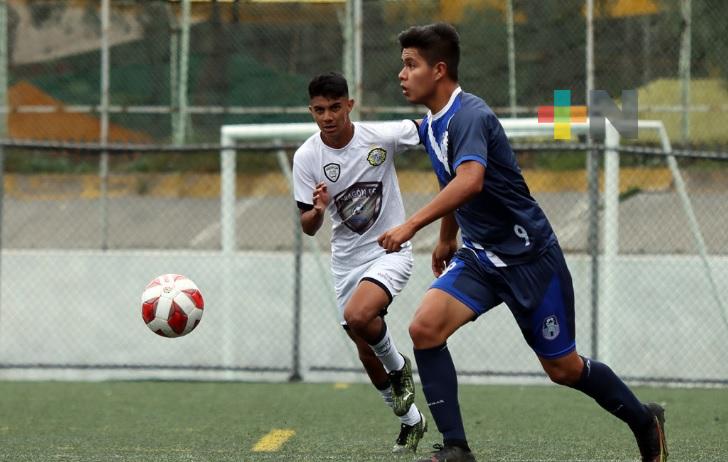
<point>539,294</point>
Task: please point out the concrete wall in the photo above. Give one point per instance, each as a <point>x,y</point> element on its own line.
<point>82,309</point>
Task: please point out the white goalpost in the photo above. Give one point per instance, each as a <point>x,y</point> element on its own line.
<point>516,129</point>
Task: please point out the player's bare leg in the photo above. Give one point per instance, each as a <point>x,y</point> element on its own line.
<point>364,309</point>
<point>363,315</point>
<point>565,370</point>
<point>437,318</point>
<point>647,421</point>
<point>376,353</point>
<point>373,367</point>
<point>412,425</point>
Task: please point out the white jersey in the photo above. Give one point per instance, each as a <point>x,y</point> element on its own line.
<point>364,196</point>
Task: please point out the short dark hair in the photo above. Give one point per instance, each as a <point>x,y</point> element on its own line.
<point>331,85</point>
<point>435,42</point>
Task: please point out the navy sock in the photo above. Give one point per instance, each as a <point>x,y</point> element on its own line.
<point>440,386</point>
<point>601,383</point>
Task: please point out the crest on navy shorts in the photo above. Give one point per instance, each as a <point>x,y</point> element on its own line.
<point>550,328</point>
<point>332,171</point>
<point>377,156</point>
<point>359,205</point>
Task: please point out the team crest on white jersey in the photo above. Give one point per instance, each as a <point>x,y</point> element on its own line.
<point>377,156</point>
<point>332,171</point>
<point>359,205</point>
<point>550,328</point>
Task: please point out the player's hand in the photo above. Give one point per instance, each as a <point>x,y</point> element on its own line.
<point>393,239</point>
<point>320,197</point>
<point>442,254</point>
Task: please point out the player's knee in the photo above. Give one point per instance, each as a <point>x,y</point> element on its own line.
<point>559,377</point>
<point>566,376</point>
<point>425,335</point>
<point>357,320</point>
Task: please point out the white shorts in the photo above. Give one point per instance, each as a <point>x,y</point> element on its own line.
<point>390,271</point>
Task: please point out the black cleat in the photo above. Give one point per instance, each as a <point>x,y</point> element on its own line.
<point>652,443</point>
<point>449,454</point>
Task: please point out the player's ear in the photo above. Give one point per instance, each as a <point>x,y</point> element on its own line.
<point>440,70</point>
<point>350,104</point>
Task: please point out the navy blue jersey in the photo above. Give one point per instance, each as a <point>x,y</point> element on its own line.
<point>504,219</point>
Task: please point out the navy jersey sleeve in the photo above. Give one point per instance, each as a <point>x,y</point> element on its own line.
<point>467,137</point>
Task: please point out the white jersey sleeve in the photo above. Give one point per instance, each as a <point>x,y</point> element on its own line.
<point>304,181</point>
<point>405,135</point>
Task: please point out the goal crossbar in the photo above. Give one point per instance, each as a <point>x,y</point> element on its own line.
<point>515,128</point>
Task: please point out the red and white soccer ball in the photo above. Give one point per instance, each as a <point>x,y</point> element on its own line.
<point>172,305</point>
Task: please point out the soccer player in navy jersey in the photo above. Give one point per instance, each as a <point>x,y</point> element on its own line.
<point>509,254</point>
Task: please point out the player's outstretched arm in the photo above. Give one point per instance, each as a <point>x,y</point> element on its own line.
<point>468,182</point>
<point>311,220</point>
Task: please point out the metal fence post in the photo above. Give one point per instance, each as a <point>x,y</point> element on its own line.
<point>184,59</point>
<point>592,168</point>
<point>611,238</point>
<point>174,75</point>
<point>511,58</point>
<point>104,129</point>
<point>353,53</point>
<point>3,116</point>
<point>297,274</point>
<point>684,68</point>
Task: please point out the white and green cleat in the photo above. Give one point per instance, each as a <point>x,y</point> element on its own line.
<point>403,388</point>
<point>410,436</point>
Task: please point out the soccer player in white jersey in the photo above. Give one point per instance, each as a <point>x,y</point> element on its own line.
<point>348,169</point>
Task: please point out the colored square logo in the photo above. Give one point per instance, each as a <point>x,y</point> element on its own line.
<point>562,114</point>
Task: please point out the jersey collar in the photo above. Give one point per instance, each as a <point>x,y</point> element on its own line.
<point>442,111</point>
<point>341,149</point>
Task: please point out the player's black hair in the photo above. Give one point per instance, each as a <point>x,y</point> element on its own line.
<point>436,42</point>
<point>331,85</point>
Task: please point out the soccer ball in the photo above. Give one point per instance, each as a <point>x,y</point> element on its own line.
<point>172,305</point>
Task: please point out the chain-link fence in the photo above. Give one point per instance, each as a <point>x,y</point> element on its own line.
<point>249,62</point>
<point>80,242</point>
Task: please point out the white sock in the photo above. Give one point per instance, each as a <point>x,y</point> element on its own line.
<point>387,353</point>
<point>387,396</point>
<point>412,416</point>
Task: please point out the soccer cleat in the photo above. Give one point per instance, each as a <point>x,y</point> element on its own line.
<point>410,436</point>
<point>403,388</point>
<point>652,443</point>
<point>449,454</point>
